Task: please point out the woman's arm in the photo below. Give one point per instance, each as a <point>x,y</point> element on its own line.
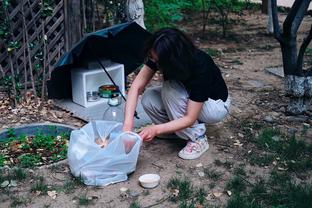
<point>193,111</point>
<point>137,87</point>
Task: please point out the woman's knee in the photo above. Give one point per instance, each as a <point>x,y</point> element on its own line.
<point>149,98</point>
<point>173,89</point>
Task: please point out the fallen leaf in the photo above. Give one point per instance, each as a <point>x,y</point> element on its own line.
<point>208,197</point>
<point>123,189</point>
<point>217,194</point>
<point>281,169</point>
<point>5,184</point>
<point>37,193</point>
<point>199,165</point>
<point>12,183</point>
<point>175,192</point>
<point>238,143</point>
<point>241,135</point>
<point>52,194</point>
<point>201,173</point>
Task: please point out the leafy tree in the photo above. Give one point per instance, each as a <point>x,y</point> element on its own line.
<point>224,8</point>
<point>298,82</point>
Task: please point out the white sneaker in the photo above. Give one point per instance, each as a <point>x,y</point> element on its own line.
<point>194,149</point>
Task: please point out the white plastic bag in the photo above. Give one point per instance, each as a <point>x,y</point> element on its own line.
<point>103,166</point>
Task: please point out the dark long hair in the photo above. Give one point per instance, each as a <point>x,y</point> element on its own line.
<point>175,52</point>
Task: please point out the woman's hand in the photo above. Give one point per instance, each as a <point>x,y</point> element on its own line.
<point>149,133</point>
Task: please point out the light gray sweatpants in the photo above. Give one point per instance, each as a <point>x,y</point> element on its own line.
<point>169,102</point>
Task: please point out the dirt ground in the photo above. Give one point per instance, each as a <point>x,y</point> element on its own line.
<point>256,94</point>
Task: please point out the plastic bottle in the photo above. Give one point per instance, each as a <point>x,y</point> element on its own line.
<point>114,111</point>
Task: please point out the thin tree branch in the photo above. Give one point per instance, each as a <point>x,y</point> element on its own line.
<point>302,50</point>
<point>28,52</point>
<point>299,17</point>
<point>276,26</point>
<point>295,16</point>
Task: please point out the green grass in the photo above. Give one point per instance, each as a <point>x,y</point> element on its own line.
<point>18,201</point>
<point>69,187</point>
<point>236,184</point>
<point>18,174</point>
<point>212,52</point>
<point>134,204</point>
<point>188,195</point>
<point>183,185</point>
<point>2,160</point>
<point>40,186</point>
<point>279,190</point>
<point>212,174</point>
<point>236,62</point>
<point>83,200</point>
<point>265,159</point>
<point>294,154</point>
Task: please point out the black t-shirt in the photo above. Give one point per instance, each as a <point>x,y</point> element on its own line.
<point>206,80</point>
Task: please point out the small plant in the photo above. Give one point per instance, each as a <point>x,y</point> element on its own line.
<point>146,193</point>
<point>28,161</point>
<point>212,174</point>
<point>224,8</point>
<point>213,52</point>
<point>183,185</point>
<point>239,171</point>
<point>11,133</point>
<point>18,201</point>
<point>200,195</point>
<point>69,187</point>
<point>18,174</point>
<point>40,186</point>
<point>134,204</point>
<point>2,160</point>
<point>183,192</point>
<point>236,184</point>
<point>84,200</point>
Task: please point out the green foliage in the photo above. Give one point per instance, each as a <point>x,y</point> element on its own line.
<point>43,141</point>
<point>134,204</point>
<point>224,8</point>
<point>17,174</point>
<point>84,200</point>
<point>28,161</point>
<point>2,160</point>
<point>47,8</point>
<point>6,82</point>
<point>163,13</point>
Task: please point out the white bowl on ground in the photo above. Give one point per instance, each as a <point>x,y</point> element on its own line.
<point>149,180</point>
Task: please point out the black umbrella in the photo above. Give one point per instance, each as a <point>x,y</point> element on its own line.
<point>121,43</point>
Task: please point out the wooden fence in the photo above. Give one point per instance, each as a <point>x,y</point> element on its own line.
<point>42,39</point>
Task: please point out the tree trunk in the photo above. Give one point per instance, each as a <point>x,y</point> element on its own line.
<point>289,54</point>
<point>270,28</point>
<point>135,11</point>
